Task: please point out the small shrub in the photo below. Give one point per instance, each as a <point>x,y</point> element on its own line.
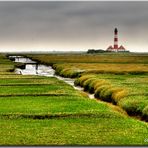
<point>84,78</point>
<point>133,107</point>
<point>130,107</point>
<point>74,74</point>
<point>100,83</point>
<point>118,94</point>
<point>77,82</point>
<point>91,86</point>
<point>99,89</point>
<point>67,72</point>
<point>57,68</point>
<point>64,72</point>
<point>86,83</point>
<point>106,94</point>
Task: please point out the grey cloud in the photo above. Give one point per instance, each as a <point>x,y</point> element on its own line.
<point>73,22</point>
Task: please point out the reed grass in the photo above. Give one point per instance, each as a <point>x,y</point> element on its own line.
<point>112,90</point>
<point>95,58</point>
<point>125,74</point>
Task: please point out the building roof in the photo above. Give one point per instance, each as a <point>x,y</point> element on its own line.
<point>110,48</point>
<point>121,47</point>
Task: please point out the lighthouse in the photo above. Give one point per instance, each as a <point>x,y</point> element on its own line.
<point>115,48</point>
<point>116,39</point>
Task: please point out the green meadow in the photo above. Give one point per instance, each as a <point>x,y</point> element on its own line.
<point>119,78</point>
<point>37,110</point>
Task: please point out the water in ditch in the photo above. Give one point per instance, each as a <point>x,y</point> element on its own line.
<point>33,68</point>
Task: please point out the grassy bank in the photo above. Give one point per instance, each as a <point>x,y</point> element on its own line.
<point>50,112</point>
<point>127,91</point>
<point>117,78</point>
<point>71,65</point>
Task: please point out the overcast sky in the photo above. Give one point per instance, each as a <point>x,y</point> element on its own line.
<point>72,25</point>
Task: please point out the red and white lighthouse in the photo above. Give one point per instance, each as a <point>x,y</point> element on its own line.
<point>115,48</point>
<point>116,39</point>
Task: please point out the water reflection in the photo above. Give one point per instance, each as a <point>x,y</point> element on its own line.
<point>33,68</point>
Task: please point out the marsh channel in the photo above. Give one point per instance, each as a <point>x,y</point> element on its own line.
<point>33,68</point>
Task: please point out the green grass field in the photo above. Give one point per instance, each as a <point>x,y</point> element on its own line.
<point>37,110</point>
<point>125,77</point>
<point>128,91</point>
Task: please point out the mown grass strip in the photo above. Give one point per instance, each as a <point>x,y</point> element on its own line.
<point>26,84</point>
<point>35,94</point>
<point>68,104</point>
<point>58,116</point>
<point>65,132</point>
